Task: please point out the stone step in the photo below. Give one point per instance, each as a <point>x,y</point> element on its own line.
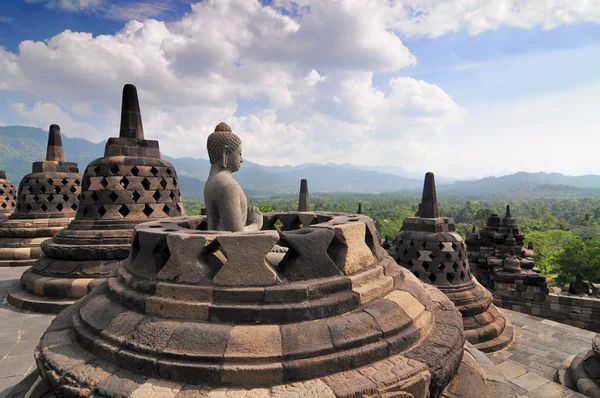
<point>366,277</point>
<point>31,302</point>
<point>373,286</point>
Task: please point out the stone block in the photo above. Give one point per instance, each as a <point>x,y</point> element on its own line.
<point>199,339</point>
<point>306,339</point>
<point>254,342</point>
<point>354,329</point>
<point>289,293</point>
<point>349,250</point>
<point>246,264</point>
<point>252,375</point>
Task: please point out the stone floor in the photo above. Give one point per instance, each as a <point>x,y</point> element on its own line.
<point>530,363</point>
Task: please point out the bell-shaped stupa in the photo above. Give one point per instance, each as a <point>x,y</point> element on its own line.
<point>429,246</point>
<point>131,184</point>
<point>199,313</point>
<point>8,196</point>
<point>47,199</point>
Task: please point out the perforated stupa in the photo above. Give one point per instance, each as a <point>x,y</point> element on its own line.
<point>429,246</point>
<point>8,196</point>
<point>131,184</point>
<point>47,199</point>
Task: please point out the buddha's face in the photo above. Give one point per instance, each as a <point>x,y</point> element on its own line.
<point>234,160</point>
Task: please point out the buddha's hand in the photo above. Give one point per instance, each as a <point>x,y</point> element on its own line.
<point>255,216</point>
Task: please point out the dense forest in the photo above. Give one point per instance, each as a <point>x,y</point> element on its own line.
<point>565,232</point>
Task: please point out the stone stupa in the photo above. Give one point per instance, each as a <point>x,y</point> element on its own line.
<point>8,197</point>
<point>429,246</point>
<point>47,199</point>
<point>131,184</point>
<point>200,313</point>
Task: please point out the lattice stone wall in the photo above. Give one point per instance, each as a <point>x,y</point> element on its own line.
<point>8,196</point>
<point>435,262</point>
<point>114,190</point>
<point>40,194</point>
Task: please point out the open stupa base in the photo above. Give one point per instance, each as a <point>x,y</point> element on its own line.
<point>166,323</point>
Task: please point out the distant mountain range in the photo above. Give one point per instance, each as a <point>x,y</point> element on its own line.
<point>20,146</point>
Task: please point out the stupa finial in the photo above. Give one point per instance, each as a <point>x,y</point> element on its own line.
<point>508,211</point>
<point>54,150</point>
<point>303,202</point>
<point>131,118</point>
<point>359,209</point>
<point>429,206</point>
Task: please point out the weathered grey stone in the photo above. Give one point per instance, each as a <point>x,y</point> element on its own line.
<point>307,257</point>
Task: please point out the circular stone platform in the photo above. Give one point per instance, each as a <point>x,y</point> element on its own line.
<point>194,311</point>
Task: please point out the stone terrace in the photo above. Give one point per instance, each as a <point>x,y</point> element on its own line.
<point>530,363</point>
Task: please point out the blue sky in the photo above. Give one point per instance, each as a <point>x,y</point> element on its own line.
<point>302,81</point>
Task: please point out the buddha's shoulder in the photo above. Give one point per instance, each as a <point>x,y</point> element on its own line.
<point>223,181</point>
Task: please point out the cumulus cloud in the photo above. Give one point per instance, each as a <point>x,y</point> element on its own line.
<point>310,65</point>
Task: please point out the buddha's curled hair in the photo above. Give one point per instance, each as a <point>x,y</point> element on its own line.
<point>221,137</point>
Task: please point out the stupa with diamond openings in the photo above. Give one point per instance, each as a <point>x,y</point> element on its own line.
<point>131,184</point>
<point>47,199</point>
<point>429,246</point>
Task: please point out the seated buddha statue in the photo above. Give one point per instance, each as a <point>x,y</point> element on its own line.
<point>226,204</point>
<point>580,286</point>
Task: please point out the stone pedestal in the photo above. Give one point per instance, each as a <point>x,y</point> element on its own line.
<point>47,199</point>
<point>8,197</point>
<point>429,247</point>
<point>197,312</point>
<point>584,372</point>
<point>131,184</point>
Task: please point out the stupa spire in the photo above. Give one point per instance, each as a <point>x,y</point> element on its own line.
<point>429,206</point>
<point>303,202</point>
<point>54,150</point>
<point>508,211</point>
<point>131,118</point>
<point>359,211</point>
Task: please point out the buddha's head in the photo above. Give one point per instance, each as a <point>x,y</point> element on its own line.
<point>225,147</point>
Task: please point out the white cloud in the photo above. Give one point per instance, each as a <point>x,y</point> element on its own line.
<point>314,64</point>
<point>113,9</point>
<point>44,114</point>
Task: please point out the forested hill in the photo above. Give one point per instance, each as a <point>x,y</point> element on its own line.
<point>20,146</point>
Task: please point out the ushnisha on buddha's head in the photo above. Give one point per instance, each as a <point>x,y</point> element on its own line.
<point>225,148</point>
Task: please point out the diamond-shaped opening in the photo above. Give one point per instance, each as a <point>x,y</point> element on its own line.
<point>135,196</point>
<point>450,277</point>
<point>156,196</point>
<point>113,196</point>
<point>74,207</point>
<point>460,255</point>
<point>416,273</point>
<point>77,182</point>
<point>50,181</point>
<point>172,195</point>
<point>455,266</point>
<point>95,196</point>
<point>454,246</point>
<point>135,171</point>
<point>169,171</point>
<point>103,182</point>
<point>411,243</point>
<point>441,266</point>
<point>154,171</point>
<point>148,210</point>
<point>432,255</point>
<point>37,181</point>
<point>448,256</point>
<point>124,210</point>
<point>7,198</point>
<point>3,205</point>
<point>441,246</point>
<point>432,278</point>
<point>85,211</point>
<point>97,169</point>
<point>166,209</point>
<point>163,183</point>
<point>3,185</point>
<point>410,263</point>
<point>425,265</point>
<point>50,198</point>
<point>124,182</point>
<point>30,189</point>
<point>146,184</point>
<point>36,198</point>
<point>73,189</point>
<point>178,208</point>
<point>44,208</point>
<point>462,275</point>
<point>65,181</point>
<point>86,184</point>
<point>43,189</point>
<point>59,207</point>
<point>28,207</point>
<point>175,182</point>
<point>66,198</point>
<point>405,251</point>
<point>102,211</point>
<point>57,189</point>
<point>1,191</point>
<point>114,170</point>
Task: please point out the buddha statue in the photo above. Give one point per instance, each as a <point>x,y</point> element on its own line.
<point>580,286</point>
<point>226,204</point>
